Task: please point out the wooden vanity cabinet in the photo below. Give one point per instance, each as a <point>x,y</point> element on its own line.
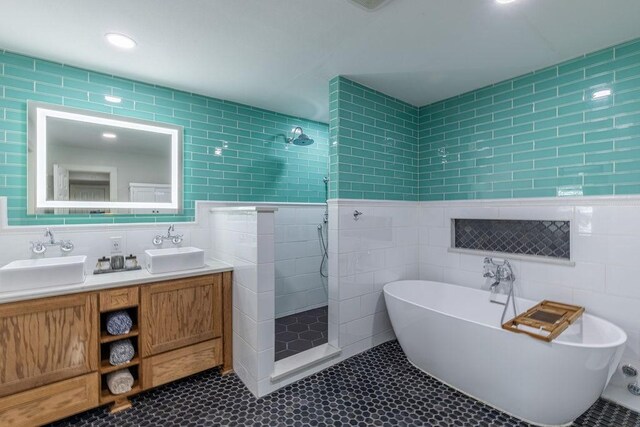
<point>51,348</point>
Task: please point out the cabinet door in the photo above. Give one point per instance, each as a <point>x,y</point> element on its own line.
<point>180,312</point>
<point>47,340</point>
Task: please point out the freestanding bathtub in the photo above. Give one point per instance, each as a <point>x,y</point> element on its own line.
<point>453,333</point>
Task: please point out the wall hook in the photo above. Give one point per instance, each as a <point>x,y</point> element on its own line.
<point>356,215</point>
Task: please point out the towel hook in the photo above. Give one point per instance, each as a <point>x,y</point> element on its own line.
<point>356,215</point>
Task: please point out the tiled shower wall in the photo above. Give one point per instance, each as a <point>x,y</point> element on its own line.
<point>375,155</point>
<point>378,248</point>
<point>232,152</point>
<point>298,255</point>
<point>539,135</point>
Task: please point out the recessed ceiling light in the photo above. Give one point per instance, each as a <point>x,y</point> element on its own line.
<point>114,99</point>
<point>505,1</point>
<point>120,40</point>
<point>601,94</point>
<point>370,4</point>
<point>109,135</point>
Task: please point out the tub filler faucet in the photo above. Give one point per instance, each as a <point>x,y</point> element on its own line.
<point>501,272</point>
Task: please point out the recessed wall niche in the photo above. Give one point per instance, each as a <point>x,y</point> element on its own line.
<point>547,238</point>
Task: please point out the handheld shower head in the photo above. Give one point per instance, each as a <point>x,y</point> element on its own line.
<point>299,137</point>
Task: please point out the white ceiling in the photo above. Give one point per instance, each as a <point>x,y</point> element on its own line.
<point>280,54</point>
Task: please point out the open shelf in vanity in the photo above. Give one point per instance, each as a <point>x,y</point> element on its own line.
<point>113,301</point>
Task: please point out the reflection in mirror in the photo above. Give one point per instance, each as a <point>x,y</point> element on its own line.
<point>83,162</point>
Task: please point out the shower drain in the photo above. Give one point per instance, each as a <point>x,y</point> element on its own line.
<point>634,388</point>
<point>629,371</point>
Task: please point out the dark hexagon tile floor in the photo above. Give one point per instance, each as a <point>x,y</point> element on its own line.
<point>376,388</point>
<point>301,331</point>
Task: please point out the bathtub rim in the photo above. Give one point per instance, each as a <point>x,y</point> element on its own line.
<point>621,341</point>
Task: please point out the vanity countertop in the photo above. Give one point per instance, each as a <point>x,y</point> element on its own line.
<point>98,282</point>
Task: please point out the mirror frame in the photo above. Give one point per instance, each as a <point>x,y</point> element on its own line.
<point>38,113</point>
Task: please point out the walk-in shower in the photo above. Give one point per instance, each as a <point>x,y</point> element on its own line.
<point>301,287</point>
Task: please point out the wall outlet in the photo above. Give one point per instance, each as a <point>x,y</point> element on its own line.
<point>116,245</point>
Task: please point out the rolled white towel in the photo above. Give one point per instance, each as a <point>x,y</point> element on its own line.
<point>121,351</point>
<point>120,382</point>
<point>119,322</point>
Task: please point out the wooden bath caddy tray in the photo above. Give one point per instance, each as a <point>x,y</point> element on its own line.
<point>549,318</point>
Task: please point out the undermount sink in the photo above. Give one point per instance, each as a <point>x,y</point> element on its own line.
<point>42,273</point>
<point>173,259</point>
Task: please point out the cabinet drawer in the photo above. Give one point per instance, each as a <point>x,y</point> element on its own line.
<point>51,402</point>
<point>176,364</point>
<point>118,298</point>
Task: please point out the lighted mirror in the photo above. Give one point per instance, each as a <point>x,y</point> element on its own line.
<point>86,162</point>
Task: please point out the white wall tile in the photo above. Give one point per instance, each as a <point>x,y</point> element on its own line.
<point>381,247</point>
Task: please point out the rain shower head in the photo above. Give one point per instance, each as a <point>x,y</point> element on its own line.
<point>298,137</point>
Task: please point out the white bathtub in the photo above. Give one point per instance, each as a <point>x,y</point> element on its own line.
<point>453,333</point>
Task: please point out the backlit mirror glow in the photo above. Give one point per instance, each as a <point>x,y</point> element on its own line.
<point>86,162</point>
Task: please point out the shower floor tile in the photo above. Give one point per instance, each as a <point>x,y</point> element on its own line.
<point>376,388</point>
<point>301,331</point>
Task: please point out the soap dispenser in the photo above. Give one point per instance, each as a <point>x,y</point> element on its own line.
<point>103,264</point>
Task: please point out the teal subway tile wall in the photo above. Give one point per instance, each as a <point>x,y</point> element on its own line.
<point>232,152</point>
<point>334,132</point>
<point>538,135</point>
<point>373,144</point>
<point>553,132</point>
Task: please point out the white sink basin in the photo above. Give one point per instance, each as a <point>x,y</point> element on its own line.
<point>173,259</point>
<point>42,273</point>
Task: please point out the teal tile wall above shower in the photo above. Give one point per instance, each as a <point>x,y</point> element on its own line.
<point>334,131</point>
<point>374,144</point>
<point>232,152</point>
<point>538,135</point>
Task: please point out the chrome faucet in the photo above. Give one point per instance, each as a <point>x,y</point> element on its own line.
<point>503,272</point>
<point>176,239</point>
<point>500,272</point>
<point>489,273</point>
<point>40,246</point>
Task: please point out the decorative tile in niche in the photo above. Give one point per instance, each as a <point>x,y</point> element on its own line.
<point>523,237</point>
